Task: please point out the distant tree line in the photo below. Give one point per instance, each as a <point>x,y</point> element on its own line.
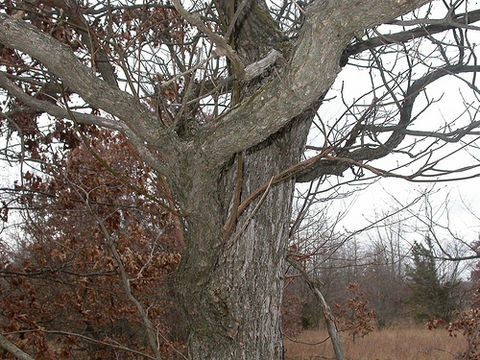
<point>397,282</point>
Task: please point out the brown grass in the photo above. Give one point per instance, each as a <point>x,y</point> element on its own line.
<point>397,343</point>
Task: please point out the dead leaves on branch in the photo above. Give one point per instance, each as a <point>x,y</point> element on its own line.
<point>63,276</point>
<point>353,316</point>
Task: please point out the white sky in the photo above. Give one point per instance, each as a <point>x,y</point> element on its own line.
<point>462,197</point>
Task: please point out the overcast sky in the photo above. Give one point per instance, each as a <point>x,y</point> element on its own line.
<point>457,203</point>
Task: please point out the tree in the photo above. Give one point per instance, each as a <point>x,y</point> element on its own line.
<point>384,279</point>
<point>432,297</point>
<point>218,100</point>
<point>467,324</point>
<point>63,290</point>
<point>467,321</point>
<point>353,315</point>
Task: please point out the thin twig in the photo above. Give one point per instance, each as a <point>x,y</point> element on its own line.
<point>86,338</point>
<point>223,48</point>
<point>192,69</point>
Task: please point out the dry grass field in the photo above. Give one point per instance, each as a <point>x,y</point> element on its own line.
<point>397,343</point>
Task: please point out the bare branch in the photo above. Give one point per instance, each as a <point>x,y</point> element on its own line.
<point>327,313</point>
<point>126,282</point>
<point>101,58</point>
<point>13,349</point>
<point>41,106</point>
<point>89,339</point>
<point>405,36</point>
<point>223,48</point>
<point>398,131</point>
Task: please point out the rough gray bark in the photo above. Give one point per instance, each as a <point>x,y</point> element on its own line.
<point>231,287</point>
<point>240,279</point>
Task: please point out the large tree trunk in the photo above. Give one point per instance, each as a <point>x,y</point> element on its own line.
<point>231,288</point>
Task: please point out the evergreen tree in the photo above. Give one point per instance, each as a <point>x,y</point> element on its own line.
<point>431,294</point>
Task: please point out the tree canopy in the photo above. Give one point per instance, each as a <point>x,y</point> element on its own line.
<point>207,108</point>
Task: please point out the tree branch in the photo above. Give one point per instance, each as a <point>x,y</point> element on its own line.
<point>126,283</point>
<point>13,349</point>
<point>102,63</point>
<point>89,339</point>
<point>405,36</point>
<point>223,48</point>
<point>327,313</point>
<point>399,132</point>
<point>63,63</point>
<point>329,24</point>
<point>41,106</point>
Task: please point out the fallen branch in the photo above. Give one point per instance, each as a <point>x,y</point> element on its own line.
<point>13,349</point>
<point>327,313</point>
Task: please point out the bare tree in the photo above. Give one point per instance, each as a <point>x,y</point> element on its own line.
<point>218,99</point>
